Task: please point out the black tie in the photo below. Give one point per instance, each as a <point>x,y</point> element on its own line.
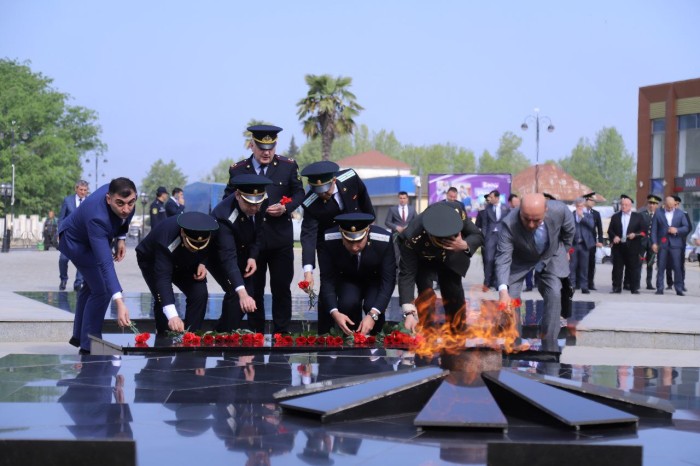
<point>262,170</point>
<point>357,261</point>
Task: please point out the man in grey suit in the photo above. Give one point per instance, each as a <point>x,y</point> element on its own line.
<point>488,221</point>
<point>584,242</point>
<point>398,218</point>
<point>668,228</point>
<point>537,235</point>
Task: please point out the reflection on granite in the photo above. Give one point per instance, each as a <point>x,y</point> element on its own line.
<point>182,408</point>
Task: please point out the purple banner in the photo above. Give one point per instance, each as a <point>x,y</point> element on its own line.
<point>471,188</point>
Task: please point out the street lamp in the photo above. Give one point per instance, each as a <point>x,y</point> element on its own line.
<point>98,158</point>
<point>6,192</point>
<point>144,200</point>
<point>550,127</point>
<point>11,227</point>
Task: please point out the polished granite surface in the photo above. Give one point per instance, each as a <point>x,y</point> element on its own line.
<point>188,408</point>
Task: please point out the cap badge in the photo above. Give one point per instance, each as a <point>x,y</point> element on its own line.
<point>267,140</point>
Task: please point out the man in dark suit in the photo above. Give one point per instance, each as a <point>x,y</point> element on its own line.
<point>399,216</point>
<point>70,203</point>
<point>85,237</point>
<point>358,273</point>
<point>597,234</point>
<point>175,253</point>
<point>277,250</point>
<point>584,241</point>
<point>237,249</point>
<point>438,242</point>
<point>488,221</point>
<point>332,192</point>
<point>625,234</point>
<point>157,210</point>
<point>668,228</point>
<point>653,202</point>
<point>175,205</point>
<point>669,275</point>
<point>538,236</point>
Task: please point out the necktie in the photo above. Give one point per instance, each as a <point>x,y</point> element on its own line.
<point>403,214</point>
<point>540,240</point>
<point>262,169</point>
<point>498,213</point>
<point>252,219</point>
<point>625,223</point>
<point>357,262</point>
<point>80,201</point>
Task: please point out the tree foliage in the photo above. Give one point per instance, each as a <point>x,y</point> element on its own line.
<point>164,174</point>
<point>605,166</point>
<point>508,158</point>
<point>293,150</point>
<point>328,110</point>
<point>50,137</point>
<point>219,174</point>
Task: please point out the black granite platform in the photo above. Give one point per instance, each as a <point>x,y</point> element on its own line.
<point>183,409</point>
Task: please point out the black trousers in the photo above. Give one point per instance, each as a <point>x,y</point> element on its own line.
<point>280,261</point>
<point>196,299</point>
<point>453,299</point>
<point>354,300</point>
<point>625,260</point>
<point>591,268</point>
<point>231,313</point>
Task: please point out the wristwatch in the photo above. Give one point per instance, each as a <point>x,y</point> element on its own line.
<point>410,313</point>
<point>373,315</point>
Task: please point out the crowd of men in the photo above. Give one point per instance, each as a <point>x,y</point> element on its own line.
<point>533,241</point>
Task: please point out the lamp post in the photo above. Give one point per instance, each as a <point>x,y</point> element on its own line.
<point>6,192</point>
<point>550,128</point>
<point>99,157</point>
<point>144,200</point>
<point>11,227</point>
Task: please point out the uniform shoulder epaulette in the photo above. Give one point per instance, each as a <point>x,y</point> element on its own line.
<point>234,215</point>
<point>310,200</point>
<point>377,236</point>
<point>346,175</point>
<point>283,158</point>
<point>333,236</point>
<point>239,163</point>
<point>173,246</point>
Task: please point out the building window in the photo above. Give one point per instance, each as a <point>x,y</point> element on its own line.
<point>688,144</point>
<point>658,138</point>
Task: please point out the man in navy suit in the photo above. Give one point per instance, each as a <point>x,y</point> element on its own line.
<point>70,203</point>
<point>584,241</point>
<point>332,192</point>
<point>277,249</point>
<point>358,273</point>
<point>668,230</point>
<point>398,218</point>
<point>175,205</point>
<point>86,237</point>
<point>626,231</point>
<point>488,221</point>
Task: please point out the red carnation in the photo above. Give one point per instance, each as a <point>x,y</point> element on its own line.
<point>285,200</point>
<point>321,340</point>
<point>663,240</point>
<point>304,285</point>
<point>258,338</point>
<point>301,341</point>
<point>371,340</point>
<point>208,339</point>
<point>311,340</point>
<point>643,234</point>
<point>571,250</point>
<point>142,337</point>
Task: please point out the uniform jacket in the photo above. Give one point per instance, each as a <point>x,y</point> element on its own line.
<point>162,252</point>
<point>585,230</point>
<point>377,265</point>
<point>158,213</point>
<point>237,240</point>
<point>417,250</point>
<point>393,217</point>
<point>284,173</point>
<point>636,226</point>
<point>659,229</point>
<point>173,208</point>
<point>516,253</point>
<point>86,236</point>
<point>319,214</point>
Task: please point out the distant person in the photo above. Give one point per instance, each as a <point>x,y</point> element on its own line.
<point>399,216</point>
<point>597,234</point>
<point>452,195</point>
<point>625,233</point>
<point>653,202</point>
<point>584,241</point>
<point>667,231</point>
<point>537,235</point>
<point>86,237</point>
<point>284,196</point>
<point>157,211</point>
<point>684,238</point>
<point>488,221</point>
<point>176,253</point>
<point>175,205</point>
<point>70,203</point>
<point>50,232</point>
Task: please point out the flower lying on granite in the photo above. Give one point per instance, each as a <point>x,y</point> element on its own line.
<point>141,338</point>
<point>235,338</point>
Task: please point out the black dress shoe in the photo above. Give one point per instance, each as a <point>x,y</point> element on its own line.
<point>74,341</point>
<point>680,293</point>
<point>62,286</point>
<point>83,351</point>
<point>659,292</point>
<point>626,287</point>
<point>616,290</point>
<point>528,289</point>
<point>635,291</point>
<point>592,288</point>
<point>649,287</point>
<point>585,291</point>
<point>685,289</point>
<point>669,287</point>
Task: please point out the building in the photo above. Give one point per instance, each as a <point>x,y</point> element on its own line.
<point>668,143</point>
<point>551,179</point>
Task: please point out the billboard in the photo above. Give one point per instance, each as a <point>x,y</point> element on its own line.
<point>471,188</point>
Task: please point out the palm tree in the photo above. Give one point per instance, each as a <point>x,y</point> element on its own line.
<point>328,109</point>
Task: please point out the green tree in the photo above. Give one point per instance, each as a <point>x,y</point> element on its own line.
<point>293,150</point>
<point>328,110</point>
<point>163,174</point>
<point>219,174</point>
<point>487,164</point>
<point>50,137</point>
<point>509,159</point>
<point>605,166</point>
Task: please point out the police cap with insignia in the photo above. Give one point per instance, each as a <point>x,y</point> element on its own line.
<point>321,175</point>
<point>197,227</point>
<point>251,187</point>
<point>161,190</point>
<point>653,198</point>
<point>354,227</point>
<point>442,220</point>
<point>589,196</point>
<point>264,136</point>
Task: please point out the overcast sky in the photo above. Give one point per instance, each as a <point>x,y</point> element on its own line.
<point>180,80</point>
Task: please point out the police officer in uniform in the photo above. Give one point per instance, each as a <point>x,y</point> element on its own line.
<point>277,249</point>
<point>597,233</point>
<point>158,213</point>
<point>332,192</point>
<point>175,253</point>
<point>653,202</point>
<point>440,241</point>
<point>358,273</point>
<point>238,243</point>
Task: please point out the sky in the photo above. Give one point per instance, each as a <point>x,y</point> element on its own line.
<point>179,80</point>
